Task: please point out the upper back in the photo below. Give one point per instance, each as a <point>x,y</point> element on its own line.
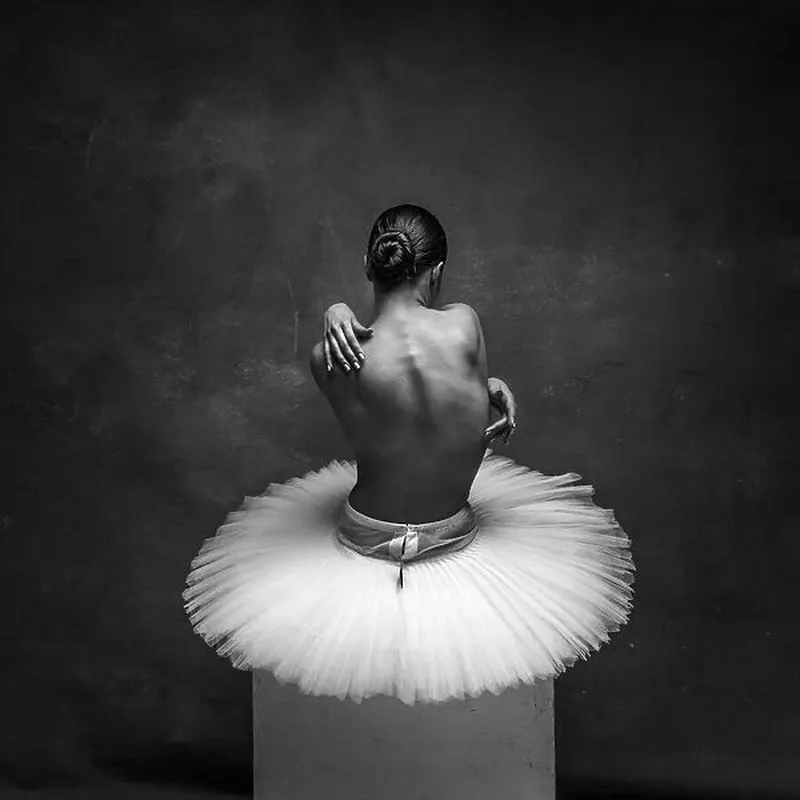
<point>416,412</point>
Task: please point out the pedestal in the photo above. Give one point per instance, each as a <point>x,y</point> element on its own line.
<point>320,748</point>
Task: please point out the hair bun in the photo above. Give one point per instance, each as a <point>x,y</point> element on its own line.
<point>392,257</point>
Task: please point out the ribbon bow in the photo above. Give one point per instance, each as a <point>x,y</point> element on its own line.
<point>404,547</point>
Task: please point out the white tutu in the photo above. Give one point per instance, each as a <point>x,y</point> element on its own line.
<point>545,580</point>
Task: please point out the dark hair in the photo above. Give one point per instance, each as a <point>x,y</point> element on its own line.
<point>405,241</point>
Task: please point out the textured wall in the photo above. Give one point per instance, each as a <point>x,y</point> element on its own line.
<point>186,187</point>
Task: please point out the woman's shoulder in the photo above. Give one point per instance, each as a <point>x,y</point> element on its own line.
<point>461,311</point>
<point>463,315</point>
<point>464,322</point>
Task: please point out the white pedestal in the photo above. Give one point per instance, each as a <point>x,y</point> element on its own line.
<point>319,748</point>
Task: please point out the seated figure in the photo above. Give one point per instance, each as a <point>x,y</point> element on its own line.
<point>429,568</point>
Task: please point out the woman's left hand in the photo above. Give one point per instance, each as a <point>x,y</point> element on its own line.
<point>502,399</point>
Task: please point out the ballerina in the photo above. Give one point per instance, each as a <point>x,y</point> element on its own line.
<point>429,569</point>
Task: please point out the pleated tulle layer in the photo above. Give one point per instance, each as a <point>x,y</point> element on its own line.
<point>545,581</point>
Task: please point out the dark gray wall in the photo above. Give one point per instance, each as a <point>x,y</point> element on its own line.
<point>186,187</point>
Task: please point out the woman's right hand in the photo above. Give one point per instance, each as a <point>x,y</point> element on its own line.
<point>341,333</point>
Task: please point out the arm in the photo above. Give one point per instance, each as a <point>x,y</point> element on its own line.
<point>500,396</point>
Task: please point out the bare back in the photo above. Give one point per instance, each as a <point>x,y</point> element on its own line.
<point>415,414</point>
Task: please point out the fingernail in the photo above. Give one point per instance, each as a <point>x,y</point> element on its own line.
<point>347,368</point>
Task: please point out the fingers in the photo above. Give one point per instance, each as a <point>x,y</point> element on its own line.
<point>503,428</point>
<point>350,359</point>
<point>337,353</point>
<point>511,417</point>
<point>326,349</point>
<point>341,345</point>
<point>511,413</point>
<point>361,331</point>
<point>341,334</point>
<point>355,347</point>
<point>496,428</point>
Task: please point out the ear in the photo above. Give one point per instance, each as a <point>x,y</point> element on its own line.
<point>366,269</point>
<point>436,275</point>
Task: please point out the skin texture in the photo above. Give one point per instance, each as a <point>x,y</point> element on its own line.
<point>416,412</point>
<point>341,344</point>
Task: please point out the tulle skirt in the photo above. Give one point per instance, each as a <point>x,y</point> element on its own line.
<point>543,582</point>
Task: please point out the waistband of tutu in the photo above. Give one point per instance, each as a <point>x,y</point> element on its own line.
<point>405,542</point>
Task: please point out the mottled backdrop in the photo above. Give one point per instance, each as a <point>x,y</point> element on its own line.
<point>186,186</point>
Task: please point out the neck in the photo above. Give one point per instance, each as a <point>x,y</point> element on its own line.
<point>402,298</point>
